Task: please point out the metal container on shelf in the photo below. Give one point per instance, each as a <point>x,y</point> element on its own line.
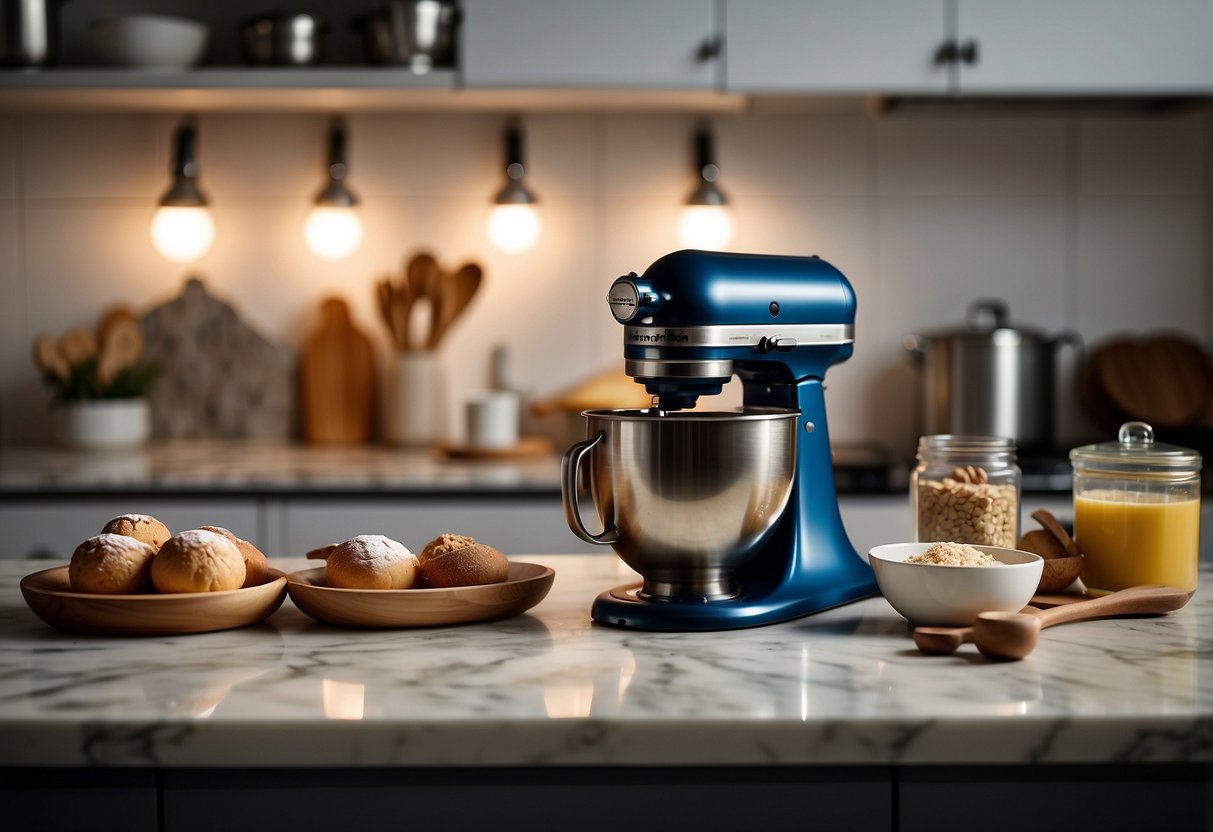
<point>29,32</point>
<point>283,39</point>
<point>419,34</point>
<point>989,377</point>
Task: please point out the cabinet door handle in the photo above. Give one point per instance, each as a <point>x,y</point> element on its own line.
<point>968,52</point>
<point>709,49</point>
<point>951,52</point>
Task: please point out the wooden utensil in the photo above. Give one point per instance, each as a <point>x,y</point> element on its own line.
<point>1013,635</point>
<point>1063,562</point>
<point>337,380</point>
<point>383,295</point>
<point>422,276</point>
<point>454,294</point>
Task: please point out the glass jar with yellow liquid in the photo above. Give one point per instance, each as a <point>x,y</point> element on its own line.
<point>1137,511</point>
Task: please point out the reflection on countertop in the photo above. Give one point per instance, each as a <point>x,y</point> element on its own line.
<point>549,687</point>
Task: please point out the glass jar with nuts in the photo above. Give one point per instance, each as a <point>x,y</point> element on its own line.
<point>966,490</point>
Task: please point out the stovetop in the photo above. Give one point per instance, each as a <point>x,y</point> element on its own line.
<point>871,468</point>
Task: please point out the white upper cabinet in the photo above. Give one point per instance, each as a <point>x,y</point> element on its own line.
<point>981,47</point>
<point>639,44</point>
<point>1087,46</point>
<point>836,46</point>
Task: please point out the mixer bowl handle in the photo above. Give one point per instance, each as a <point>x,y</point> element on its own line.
<point>570,470</point>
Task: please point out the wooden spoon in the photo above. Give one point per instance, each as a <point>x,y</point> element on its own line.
<point>424,277</point>
<point>1013,635</point>
<point>455,293</point>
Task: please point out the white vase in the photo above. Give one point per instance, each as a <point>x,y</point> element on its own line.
<point>102,424</point>
<point>415,409</point>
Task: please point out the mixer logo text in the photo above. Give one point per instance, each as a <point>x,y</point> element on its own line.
<point>658,338</point>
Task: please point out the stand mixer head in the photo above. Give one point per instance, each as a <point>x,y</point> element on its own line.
<point>692,321</point>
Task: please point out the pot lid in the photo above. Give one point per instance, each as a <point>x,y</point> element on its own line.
<point>1136,452</point>
<point>987,319</point>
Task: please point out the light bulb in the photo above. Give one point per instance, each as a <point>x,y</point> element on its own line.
<point>333,232</point>
<point>182,233</point>
<point>705,227</point>
<point>514,228</point>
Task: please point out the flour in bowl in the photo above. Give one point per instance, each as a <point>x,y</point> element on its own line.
<point>954,554</point>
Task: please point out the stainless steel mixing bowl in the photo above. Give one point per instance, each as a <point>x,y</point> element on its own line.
<point>684,498</point>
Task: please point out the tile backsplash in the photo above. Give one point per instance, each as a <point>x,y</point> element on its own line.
<point>1092,224</point>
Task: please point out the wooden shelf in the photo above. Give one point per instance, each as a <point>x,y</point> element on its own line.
<point>289,89</point>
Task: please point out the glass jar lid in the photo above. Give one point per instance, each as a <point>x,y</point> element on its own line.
<point>1134,453</point>
<point>959,443</point>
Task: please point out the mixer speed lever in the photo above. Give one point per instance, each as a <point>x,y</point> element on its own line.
<point>776,344</point>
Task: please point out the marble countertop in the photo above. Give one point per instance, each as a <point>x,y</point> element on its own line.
<point>227,466</point>
<point>209,467</point>
<point>551,688</point>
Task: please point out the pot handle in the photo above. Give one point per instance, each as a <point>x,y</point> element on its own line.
<point>986,309</point>
<point>570,469</point>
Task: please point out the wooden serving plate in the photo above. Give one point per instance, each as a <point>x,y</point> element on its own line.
<point>48,593</point>
<point>527,585</point>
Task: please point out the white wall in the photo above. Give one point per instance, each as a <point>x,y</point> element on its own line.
<point>1096,224</point>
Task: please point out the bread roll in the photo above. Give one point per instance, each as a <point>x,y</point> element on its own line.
<point>371,561</point>
<point>111,564</point>
<point>256,564</point>
<point>142,527</point>
<point>451,560</point>
<point>198,561</point>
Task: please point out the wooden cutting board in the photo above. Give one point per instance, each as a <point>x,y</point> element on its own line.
<point>337,380</point>
<point>1163,379</point>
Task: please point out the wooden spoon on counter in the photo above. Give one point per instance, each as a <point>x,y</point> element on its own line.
<point>1013,635</point>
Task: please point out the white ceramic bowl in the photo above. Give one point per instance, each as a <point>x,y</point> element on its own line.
<point>952,596</point>
<point>151,41</point>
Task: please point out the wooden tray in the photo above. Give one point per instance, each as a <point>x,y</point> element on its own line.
<point>531,446</point>
<point>48,593</point>
<point>527,585</point>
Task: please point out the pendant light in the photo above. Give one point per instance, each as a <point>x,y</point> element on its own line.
<point>333,230</point>
<point>514,223</point>
<point>705,222</point>
<point>182,228</point>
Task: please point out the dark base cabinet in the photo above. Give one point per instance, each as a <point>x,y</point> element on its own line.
<point>69,800</point>
<point>1019,798</point>
<point>709,799</point>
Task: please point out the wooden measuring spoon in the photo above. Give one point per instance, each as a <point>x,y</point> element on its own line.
<point>1013,635</point>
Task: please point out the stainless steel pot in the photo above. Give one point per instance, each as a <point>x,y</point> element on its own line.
<point>29,32</point>
<point>989,377</point>
<point>684,498</point>
<point>283,39</point>
<point>418,34</point>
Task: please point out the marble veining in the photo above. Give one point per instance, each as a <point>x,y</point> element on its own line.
<point>551,688</point>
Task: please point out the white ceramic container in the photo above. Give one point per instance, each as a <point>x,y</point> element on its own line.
<point>103,424</point>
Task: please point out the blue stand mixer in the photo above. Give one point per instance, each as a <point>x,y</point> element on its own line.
<point>692,321</point>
